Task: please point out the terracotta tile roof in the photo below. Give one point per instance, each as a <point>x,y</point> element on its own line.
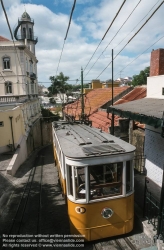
<point>99,119</point>
<point>93,100</point>
<point>96,98</point>
<point>135,94</point>
<point>3,39</point>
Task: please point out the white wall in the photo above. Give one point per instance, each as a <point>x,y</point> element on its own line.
<point>154,152</point>
<point>154,86</point>
<point>18,158</point>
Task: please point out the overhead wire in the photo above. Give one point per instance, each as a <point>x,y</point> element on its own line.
<point>105,33</point>
<point>113,37</point>
<point>140,55</point>
<point>73,7</point>
<point>136,25</point>
<point>132,37</point>
<point>60,58</point>
<point>3,77</point>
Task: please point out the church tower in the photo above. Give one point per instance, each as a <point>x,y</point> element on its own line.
<point>26,25</point>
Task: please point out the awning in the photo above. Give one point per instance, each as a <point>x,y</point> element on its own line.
<point>147,111</point>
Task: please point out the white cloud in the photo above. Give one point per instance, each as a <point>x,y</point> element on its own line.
<point>85,33</point>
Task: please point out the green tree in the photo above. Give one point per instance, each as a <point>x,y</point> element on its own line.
<point>52,100</point>
<point>141,79</point>
<point>59,84</point>
<point>48,116</point>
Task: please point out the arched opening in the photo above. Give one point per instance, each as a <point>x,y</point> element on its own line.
<point>24,33</point>
<point>6,62</point>
<point>30,33</point>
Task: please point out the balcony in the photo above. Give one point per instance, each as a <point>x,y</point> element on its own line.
<point>32,76</point>
<point>17,99</point>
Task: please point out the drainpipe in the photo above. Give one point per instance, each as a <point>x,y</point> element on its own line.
<point>10,117</point>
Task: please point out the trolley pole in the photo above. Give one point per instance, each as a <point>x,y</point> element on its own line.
<point>82,96</point>
<point>112,122</point>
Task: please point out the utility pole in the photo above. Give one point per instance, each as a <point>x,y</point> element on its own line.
<point>82,96</point>
<point>112,121</point>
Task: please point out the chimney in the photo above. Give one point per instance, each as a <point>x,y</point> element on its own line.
<point>157,62</point>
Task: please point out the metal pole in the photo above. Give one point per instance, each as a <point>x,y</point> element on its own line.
<point>112,122</point>
<point>12,131</point>
<point>82,96</point>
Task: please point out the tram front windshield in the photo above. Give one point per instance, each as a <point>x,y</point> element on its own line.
<point>99,181</point>
<point>104,181</point>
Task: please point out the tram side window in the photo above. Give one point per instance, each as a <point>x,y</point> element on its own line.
<point>70,182</point>
<point>128,177</point>
<point>105,180</point>
<point>79,173</point>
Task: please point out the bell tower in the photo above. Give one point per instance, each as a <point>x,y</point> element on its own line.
<point>26,28</point>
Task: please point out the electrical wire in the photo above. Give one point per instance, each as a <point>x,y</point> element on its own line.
<point>136,25</point>
<point>60,58</point>
<point>105,33</point>
<point>140,55</point>
<point>113,37</point>
<point>73,7</point>
<point>132,37</point>
<point>3,78</point>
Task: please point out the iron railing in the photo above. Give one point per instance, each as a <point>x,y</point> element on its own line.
<point>15,99</point>
<point>151,207</point>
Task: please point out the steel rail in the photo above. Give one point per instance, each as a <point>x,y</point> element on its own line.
<point>20,202</point>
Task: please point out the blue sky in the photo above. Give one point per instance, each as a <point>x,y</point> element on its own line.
<point>90,20</point>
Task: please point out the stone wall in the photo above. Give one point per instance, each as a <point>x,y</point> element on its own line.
<point>39,135</point>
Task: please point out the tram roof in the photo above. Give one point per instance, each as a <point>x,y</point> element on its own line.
<point>80,140</point>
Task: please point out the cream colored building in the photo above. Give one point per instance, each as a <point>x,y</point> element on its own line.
<point>19,103</point>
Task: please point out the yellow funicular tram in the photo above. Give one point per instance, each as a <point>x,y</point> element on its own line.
<point>96,175</point>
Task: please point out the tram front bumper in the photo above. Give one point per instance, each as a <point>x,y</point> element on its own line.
<point>100,232</point>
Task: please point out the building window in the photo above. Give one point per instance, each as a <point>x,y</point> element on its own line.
<point>30,33</point>
<point>1,124</point>
<point>26,65</point>
<point>162,91</point>
<point>32,87</point>
<point>6,63</point>
<point>8,87</point>
<point>24,33</point>
<point>27,88</point>
<point>31,67</point>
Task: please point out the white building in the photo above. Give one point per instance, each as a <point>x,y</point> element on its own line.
<point>19,104</point>
<point>150,111</point>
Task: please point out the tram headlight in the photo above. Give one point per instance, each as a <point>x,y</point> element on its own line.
<point>107,213</point>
